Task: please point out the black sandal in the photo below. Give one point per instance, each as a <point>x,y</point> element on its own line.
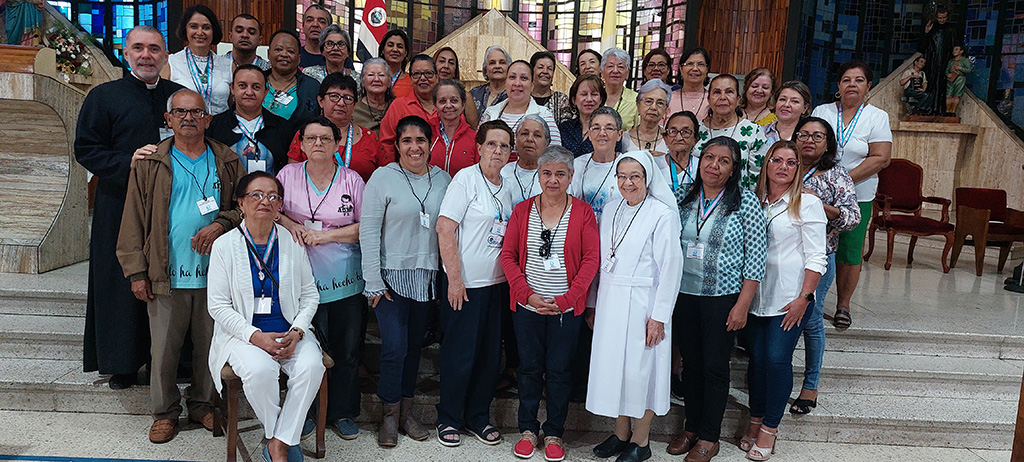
<point>803,406</point>
<point>447,430</point>
<point>483,434</point>
<point>842,319</point>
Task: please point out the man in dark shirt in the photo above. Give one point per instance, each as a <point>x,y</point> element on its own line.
<point>314,21</point>
<point>116,120</point>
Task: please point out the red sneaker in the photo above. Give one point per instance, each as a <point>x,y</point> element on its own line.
<point>524,448</point>
<point>553,451</point>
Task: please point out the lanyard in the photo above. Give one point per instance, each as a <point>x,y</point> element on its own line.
<point>675,175</point>
<point>263,261</point>
<point>846,132</point>
<point>395,78</point>
<point>312,211</point>
<point>251,136</point>
<point>494,194</point>
<point>202,188</point>
<point>705,210</point>
<point>348,151</point>
<point>810,173</point>
<point>202,80</point>
<point>515,173</point>
<point>447,148</point>
<point>583,180</point>
<point>616,243</point>
<point>430,185</point>
<point>768,214</point>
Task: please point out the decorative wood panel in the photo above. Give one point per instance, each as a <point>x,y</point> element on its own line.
<point>742,35</point>
<point>270,13</point>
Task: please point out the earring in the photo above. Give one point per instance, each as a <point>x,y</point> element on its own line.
<point>277,218</point>
<point>241,215</point>
<point>838,95</point>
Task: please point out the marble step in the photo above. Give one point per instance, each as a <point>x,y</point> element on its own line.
<point>61,292</point>
<point>54,385</point>
<point>41,336</point>
<point>925,343</point>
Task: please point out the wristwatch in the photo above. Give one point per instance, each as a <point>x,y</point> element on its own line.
<point>809,296</point>
<point>299,330</point>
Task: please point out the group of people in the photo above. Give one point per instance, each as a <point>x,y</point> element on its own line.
<point>256,210</point>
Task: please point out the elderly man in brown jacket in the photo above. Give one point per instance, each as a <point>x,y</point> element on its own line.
<point>180,198</point>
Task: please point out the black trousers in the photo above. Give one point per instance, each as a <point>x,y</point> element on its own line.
<point>342,323</point>
<point>547,345</point>
<point>470,356</point>
<point>699,331</point>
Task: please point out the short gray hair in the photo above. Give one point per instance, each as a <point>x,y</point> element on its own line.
<point>317,6</point>
<point>556,155</point>
<point>335,29</point>
<point>543,123</point>
<point>508,59</point>
<point>145,28</point>
<point>170,100</point>
<point>651,85</point>
<point>619,54</point>
<point>605,110</point>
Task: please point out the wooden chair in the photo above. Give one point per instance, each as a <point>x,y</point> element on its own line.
<point>233,385</point>
<point>983,215</point>
<point>899,190</point>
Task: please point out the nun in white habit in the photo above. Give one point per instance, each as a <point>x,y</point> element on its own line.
<point>641,266</point>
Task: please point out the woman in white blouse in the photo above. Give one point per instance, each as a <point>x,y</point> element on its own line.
<point>520,103</point>
<point>197,67</point>
<point>794,262</point>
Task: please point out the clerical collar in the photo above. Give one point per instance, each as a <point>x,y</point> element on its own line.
<point>149,86</point>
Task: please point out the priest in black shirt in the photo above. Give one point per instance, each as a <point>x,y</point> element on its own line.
<point>937,47</point>
<point>117,119</point>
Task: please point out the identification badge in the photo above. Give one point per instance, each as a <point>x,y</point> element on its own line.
<point>608,264</point>
<point>263,305</point>
<point>315,225</point>
<point>284,98</point>
<point>498,227</point>
<point>551,263</point>
<point>694,250</point>
<point>425,220</point>
<point>256,166</point>
<point>207,205</point>
<point>166,133</point>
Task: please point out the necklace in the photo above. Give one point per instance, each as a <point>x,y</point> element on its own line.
<point>646,144</point>
<point>703,96</point>
<point>756,116</point>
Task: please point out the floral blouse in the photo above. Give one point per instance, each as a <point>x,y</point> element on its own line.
<point>753,146</point>
<point>835,187</point>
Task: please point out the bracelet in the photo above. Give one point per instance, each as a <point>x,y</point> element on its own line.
<point>301,333</point>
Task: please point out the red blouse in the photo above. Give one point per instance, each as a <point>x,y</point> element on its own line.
<point>367,154</point>
<point>461,153</point>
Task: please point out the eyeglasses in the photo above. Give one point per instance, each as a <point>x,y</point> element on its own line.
<point>657,64</point>
<point>260,195</point>
<point>322,139</point>
<point>672,133</point>
<point>816,136</point>
<point>331,44</point>
<point>545,245</point>
<point>634,178</point>
<point>659,103</point>
<point>494,145</point>
<point>421,74</point>
<point>791,163</point>
<point>697,64</point>
<point>182,112</point>
<point>604,129</point>
<point>336,97</point>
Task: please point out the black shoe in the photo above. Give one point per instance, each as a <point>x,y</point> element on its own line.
<point>122,381</point>
<point>635,453</point>
<point>611,446</point>
<point>1014,288</point>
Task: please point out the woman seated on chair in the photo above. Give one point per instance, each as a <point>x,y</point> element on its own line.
<point>262,298</point>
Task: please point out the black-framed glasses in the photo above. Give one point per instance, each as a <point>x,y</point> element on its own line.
<point>336,97</point>
<point>421,74</point>
<point>657,64</point>
<point>180,113</point>
<point>672,133</point>
<point>332,44</point>
<point>545,244</point>
<point>817,137</point>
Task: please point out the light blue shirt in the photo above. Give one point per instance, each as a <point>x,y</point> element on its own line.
<point>192,181</point>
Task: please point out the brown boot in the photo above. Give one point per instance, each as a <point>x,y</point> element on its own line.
<point>387,432</point>
<point>408,424</point>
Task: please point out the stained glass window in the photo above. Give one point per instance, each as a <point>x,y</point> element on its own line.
<point>92,17</point>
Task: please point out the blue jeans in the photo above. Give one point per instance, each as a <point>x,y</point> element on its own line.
<point>814,328</point>
<point>402,322</point>
<point>770,370</point>
<point>471,356</point>
<point>547,345</point>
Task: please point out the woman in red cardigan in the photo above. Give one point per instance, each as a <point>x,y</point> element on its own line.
<point>550,256</point>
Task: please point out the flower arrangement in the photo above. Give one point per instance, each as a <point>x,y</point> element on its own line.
<point>72,57</point>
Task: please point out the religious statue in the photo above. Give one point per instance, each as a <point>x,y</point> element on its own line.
<point>937,45</point>
<point>956,76</point>
<point>24,19</point>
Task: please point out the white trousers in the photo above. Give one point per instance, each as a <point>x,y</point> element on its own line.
<point>260,374</point>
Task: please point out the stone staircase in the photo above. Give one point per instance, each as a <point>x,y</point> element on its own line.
<point>879,386</point>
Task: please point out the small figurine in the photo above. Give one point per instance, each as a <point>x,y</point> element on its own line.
<point>956,72</point>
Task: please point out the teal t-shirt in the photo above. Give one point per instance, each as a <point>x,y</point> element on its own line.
<point>193,180</point>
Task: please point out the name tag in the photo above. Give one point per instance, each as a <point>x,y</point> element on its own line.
<point>207,205</point>
<point>284,98</point>
<point>695,251</point>
<point>608,264</point>
<point>263,305</point>
<point>425,220</point>
<point>498,227</point>
<point>551,263</point>
<point>256,165</point>
<point>315,225</point>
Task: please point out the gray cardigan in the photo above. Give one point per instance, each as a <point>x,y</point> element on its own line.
<point>390,234</point>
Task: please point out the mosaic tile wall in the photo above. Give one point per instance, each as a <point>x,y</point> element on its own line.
<point>125,14</point>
